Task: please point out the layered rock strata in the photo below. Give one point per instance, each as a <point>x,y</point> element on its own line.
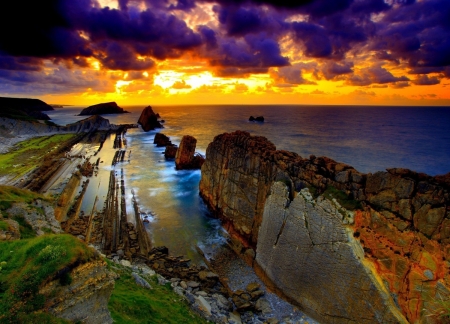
<point>86,298</point>
<point>401,221</point>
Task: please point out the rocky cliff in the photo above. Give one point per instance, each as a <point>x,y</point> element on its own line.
<point>105,108</point>
<point>13,127</point>
<point>185,157</point>
<point>400,219</point>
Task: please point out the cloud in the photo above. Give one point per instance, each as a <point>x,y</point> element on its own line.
<point>332,69</point>
<point>179,85</point>
<point>290,75</point>
<point>117,56</point>
<point>375,74</point>
<point>426,80</point>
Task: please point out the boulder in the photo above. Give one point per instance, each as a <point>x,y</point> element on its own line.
<point>149,120</point>
<point>105,108</point>
<point>186,157</point>
<point>161,140</point>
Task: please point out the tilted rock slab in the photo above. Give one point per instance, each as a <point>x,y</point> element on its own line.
<point>403,225</point>
<point>306,251</point>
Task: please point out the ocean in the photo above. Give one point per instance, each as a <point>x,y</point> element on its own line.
<point>366,137</point>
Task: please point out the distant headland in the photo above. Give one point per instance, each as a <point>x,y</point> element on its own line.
<point>106,108</point>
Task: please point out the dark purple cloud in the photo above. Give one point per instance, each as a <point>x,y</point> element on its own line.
<point>426,80</point>
<point>375,74</point>
<point>116,56</point>
<point>332,69</point>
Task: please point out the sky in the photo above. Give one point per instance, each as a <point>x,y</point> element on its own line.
<point>171,52</point>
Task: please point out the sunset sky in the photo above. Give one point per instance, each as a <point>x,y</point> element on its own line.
<point>377,52</point>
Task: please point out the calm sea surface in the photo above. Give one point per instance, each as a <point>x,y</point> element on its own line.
<point>368,138</point>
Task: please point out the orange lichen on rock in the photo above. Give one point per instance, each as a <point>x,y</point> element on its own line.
<point>408,262</point>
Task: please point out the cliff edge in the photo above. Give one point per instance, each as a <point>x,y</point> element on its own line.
<point>397,222</point>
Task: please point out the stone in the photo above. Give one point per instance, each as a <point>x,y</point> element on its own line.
<point>125,263</point>
<point>186,157</point>
<point>204,305</point>
<point>193,284</point>
<point>235,318</point>
<point>141,281</point>
<point>201,293</point>
<point>257,119</point>
<point>161,140</point>
<point>262,305</point>
<point>183,285</point>
<point>149,120</point>
<point>253,286</point>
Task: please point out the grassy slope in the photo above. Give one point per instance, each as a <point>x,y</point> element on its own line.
<point>133,304</point>
<point>29,154</point>
<point>26,265</point>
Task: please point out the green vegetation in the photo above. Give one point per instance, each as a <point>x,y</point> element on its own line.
<point>29,264</point>
<point>3,226</point>
<point>28,155</point>
<point>133,304</point>
<point>14,113</point>
<point>342,198</point>
<point>439,310</point>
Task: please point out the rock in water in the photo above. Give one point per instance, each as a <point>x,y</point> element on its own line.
<point>185,157</point>
<point>161,140</point>
<point>257,119</point>
<point>149,120</point>
<point>170,152</point>
<point>103,109</point>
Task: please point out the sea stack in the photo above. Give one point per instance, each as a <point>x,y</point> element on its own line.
<point>106,108</point>
<point>149,120</point>
<point>185,157</point>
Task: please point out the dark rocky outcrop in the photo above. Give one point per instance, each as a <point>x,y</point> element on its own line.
<point>161,140</point>
<point>106,108</point>
<point>171,151</point>
<point>149,120</point>
<point>186,158</point>
<point>391,227</point>
<point>257,119</point>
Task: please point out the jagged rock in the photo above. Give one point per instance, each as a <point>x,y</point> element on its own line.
<point>103,109</point>
<point>253,286</point>
<point>86,298</point>
<point>203,305</point>
<point>149,120</point>
<point>161,140</point>
<point>257,119</point>
<point>185,157</point>
<point>141,281</point>
<point>171,151</point>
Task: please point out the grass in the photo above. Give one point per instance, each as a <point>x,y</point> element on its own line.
<point>27,265</point>
<point>439,310</point>
<point>15,114</point>
<point>343,199</point>
<point>3,226</point>
<point>133,304</point>
<point>28,155</point>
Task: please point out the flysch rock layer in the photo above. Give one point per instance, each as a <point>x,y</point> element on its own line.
<point>403,224</point>
<point>306,251</point>
<point>86,298</point>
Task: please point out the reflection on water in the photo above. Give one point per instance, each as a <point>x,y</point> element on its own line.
<point>368,138</point>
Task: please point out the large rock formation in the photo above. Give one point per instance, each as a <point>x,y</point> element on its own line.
<point>149,120</point>
<point>401,221</point>
<point>161,140</point>
<point>186,157</point>
<point>106,108</point>
<point>24,109</point>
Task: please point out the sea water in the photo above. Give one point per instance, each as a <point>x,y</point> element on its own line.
<point>368,138</point>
